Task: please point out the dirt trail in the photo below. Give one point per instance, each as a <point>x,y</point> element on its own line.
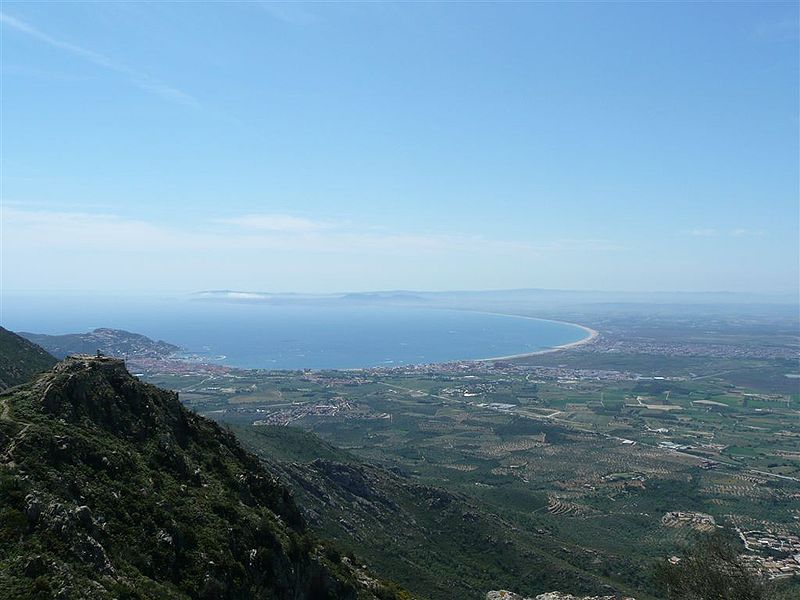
<point>7,459</point>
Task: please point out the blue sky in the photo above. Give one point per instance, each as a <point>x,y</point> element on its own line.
<point>360,146</point>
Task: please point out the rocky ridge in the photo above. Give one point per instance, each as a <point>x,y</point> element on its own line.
<point>110,488</point>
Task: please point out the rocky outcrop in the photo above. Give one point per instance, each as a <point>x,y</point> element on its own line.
<point>506,595</point>
<point>110,488</point>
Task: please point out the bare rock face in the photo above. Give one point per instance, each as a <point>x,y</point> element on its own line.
<point>506,595</point>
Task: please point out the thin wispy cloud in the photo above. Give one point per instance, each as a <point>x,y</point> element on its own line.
<point>292,254</point>
<point>143,82</point>
<point>703,232</point>
<point>272,222</point>
<point>747,232</point>
<point>712,232</point>
<point>91,231</point>
<point>254,232</point>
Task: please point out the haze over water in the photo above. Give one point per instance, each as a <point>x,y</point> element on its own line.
<point>297,337</point>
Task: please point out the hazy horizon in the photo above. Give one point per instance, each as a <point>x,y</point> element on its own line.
<point>369,146</point>
<point>789,296</point>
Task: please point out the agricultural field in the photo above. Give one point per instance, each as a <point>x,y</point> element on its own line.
<point>610,463</point>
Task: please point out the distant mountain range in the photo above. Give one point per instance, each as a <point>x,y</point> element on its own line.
<point>542,298</point>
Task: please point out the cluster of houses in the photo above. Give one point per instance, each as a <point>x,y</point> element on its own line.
<point>779,553</point>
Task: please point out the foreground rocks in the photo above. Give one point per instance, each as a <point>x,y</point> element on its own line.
<point>506,595</point>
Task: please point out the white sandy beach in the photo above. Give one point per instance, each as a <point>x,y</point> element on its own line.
<point>592,335</point>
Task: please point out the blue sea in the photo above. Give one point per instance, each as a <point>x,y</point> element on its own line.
<point>253,335</point>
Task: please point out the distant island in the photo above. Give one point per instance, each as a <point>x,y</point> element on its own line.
<point>529,297</point>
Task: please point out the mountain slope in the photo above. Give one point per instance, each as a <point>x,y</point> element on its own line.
<point>434,542</point>
<point>111,342</point>
<point>20,359</point>
<point>109,488</point>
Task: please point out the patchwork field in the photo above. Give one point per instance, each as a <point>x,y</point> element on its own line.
<point>605,461</point>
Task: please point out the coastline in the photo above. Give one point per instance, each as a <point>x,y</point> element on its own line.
<point>203,359</point>
<point>593,334</point>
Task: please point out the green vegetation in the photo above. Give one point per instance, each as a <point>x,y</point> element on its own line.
<point>567,465</point>
<point>576,471</point>
<point>20,360</point>
<point>439,544</point>
<point>109,488</point>
<point>712,569</point>
<point>110,342</point>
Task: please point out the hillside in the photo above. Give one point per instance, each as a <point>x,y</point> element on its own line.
<point>109,488</point>
<point>111,342</point>
<point>20,360</point>
<point>436,543</point>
